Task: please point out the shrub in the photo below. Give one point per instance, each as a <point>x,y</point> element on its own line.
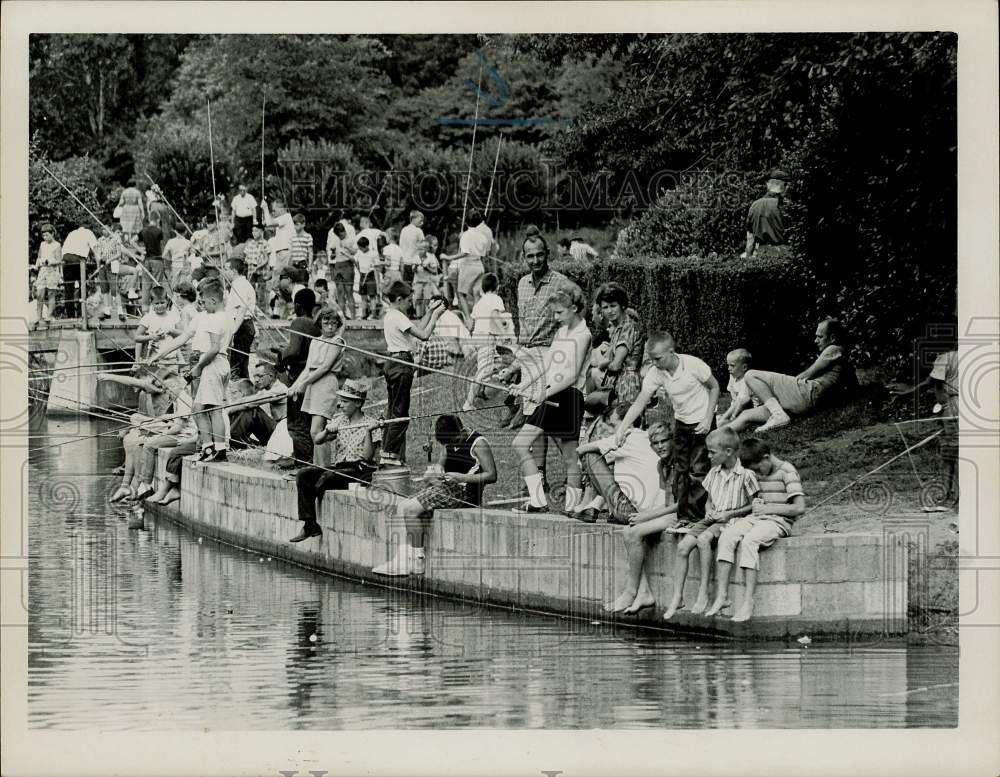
<point>709,307</point>
<point>48,201</point>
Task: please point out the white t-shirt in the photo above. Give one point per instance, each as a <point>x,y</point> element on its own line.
<point>483,310</point>
<point>284,232</point>
<point>332,244</point>
<point>241,295</point>
<point>349,231</point>
<point>207,324</point>
<point>366,260</point>
<point>635,468</point>
<point>372,234</point>
<point>244,205</point>
<point>450,325</point>
<point>409,238</point>
<point>396,325</point>
<point>177,248</point>
<point>80,242</point>
<point>570,350</point>
<point>737,388</point>
<point>475,242</point>
<point>156,324</point>
<point>393,254</point>
<point>686,387</point>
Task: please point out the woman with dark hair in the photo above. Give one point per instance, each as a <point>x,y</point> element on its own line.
<point>464,468</point>
<point>626,342</point>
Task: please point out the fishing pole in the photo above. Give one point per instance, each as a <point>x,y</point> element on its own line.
<point>472,152</point>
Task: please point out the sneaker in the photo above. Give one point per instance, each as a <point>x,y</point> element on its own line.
<point>417,564</point>
<point>206,454</point>
<point>776,421</point>
<point>390,460</point>
<point>219,456</point>
<point>530,508</point>
<point>587,515</point>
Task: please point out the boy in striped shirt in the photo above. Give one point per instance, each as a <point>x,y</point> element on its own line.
<point>730,487</point>
<point>301,245</point>
<point>781,501</point>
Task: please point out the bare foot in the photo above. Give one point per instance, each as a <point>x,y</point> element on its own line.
<point>714,609</point>
<point>171,496</point>
<point>672,609</point>
<point>744,613</point>
<point>640,603</point>
<point>700,604</point>
<point>618,605</point>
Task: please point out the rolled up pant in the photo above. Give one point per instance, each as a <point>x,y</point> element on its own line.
<point>152,444</point>
<point>312,482</point>
<point>751,532</point>
<point>603,480</point>
<point>175,460</point>
<point>690,467</point>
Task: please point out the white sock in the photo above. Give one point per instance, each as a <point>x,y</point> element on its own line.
<point>596,503</point>
<point>536,492</point>
<point>574,495</point>
<point>777,411</point>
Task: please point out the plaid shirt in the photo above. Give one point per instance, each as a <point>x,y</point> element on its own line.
<point>256,254</point>
<point>108,249</point>
<point>435,353</point>
<point>301,249</point>
<point>535,321</point>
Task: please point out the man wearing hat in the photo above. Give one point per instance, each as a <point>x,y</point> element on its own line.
<point>764,226</point>
<point>357,438</point>
<point>244,208</point>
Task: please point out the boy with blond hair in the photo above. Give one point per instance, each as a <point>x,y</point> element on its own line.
<point>737,362</point>
<point>730,488</point>
<point>781,501</point>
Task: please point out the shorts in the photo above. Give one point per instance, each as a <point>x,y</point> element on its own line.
<point>707,526</point>
<point>320,398</point>
<point>562,421</point>
<point>443,493</point>
<point>341,272</point>
<point>369,284</point>
<point>212,382</point>
<point>453,269</point>
<point>470,274</point>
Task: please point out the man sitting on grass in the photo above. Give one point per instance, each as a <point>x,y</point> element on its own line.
<point>781,501</point>
<point>826,378</point>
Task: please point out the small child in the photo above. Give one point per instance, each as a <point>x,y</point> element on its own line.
<point>322,290</point>
<point>738,362</point>
<point>486,328</point>
<point>427,274</point>
<point>175,255</point>
<point>730,489</point>
<point>49,280</point>
<point>781,501</point>
<point>301,245</point>
<point>156,326</point>
<point>398,330</point>
<point>368,263</point>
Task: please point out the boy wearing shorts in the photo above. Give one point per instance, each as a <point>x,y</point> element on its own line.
<point>730,488</point>
<point>781,501</point>
<point>738,362</point>
<point>211,369</point>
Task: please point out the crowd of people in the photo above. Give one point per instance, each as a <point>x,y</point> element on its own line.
<point>583,374</point>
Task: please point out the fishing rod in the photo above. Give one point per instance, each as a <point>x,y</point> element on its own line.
<point>386,357</point>
<point>472,152</point>
<point>78,366</point>
<point>80,406</point>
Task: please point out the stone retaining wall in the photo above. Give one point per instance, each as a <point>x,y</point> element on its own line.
<point>844,585</point>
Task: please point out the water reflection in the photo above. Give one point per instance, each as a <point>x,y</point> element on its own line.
<point>154,629</point>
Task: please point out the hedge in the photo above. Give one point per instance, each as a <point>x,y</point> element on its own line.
<point>710,307</point>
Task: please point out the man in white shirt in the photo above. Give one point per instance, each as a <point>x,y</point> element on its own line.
<point>473,245</point>
<point>694,394</point>
<point>283,233</point>
<point>244,209</point>
<point>77,248</point>
<point>409,244</point>
<point>241,309</point>
<point>392,255</point>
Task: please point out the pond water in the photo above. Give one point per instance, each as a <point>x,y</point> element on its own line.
<point>154,628</point>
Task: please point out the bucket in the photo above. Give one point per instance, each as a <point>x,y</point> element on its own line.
<point>395,479</point>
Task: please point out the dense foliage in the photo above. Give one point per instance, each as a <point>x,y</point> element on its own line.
<point>666,136</point>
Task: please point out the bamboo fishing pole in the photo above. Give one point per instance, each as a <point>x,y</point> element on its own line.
<point>472,152</point>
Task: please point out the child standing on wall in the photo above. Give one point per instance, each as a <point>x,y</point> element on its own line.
<point>730,488</point>
<point>398,330</point>
<point>781,501</point>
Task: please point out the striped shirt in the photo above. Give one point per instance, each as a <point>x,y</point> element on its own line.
<point>301,249</point>
<point>731,489</point>
<point>781,486</point>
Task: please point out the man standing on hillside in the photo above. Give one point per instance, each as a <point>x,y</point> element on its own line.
<point>764,225</point>
<point>244,209</point>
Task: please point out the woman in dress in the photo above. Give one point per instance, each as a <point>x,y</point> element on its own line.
<point>131,213</point>
<point>49,267</point>
<point>318,382</point>
<point>624,355</point>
